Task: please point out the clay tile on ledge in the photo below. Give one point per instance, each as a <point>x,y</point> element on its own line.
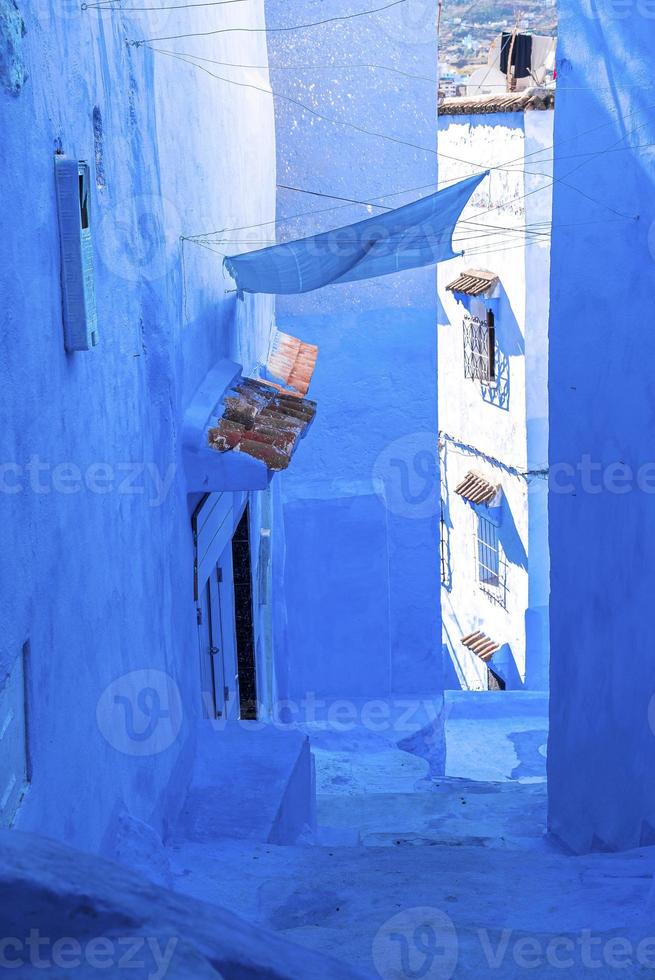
<point>474,282</point>
<point>480,644</point>
<point>476,489</point>
<point>261,422</point>
<point>292,361</point>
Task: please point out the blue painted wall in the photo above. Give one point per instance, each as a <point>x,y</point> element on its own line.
<point>361,500</point>
<point>602,405</point>
<point>96,571</point>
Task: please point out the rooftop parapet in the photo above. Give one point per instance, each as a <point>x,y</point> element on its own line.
<point>536,98</point>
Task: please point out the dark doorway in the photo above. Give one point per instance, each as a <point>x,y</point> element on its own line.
<point>496,682</point>
<point>243,611</point>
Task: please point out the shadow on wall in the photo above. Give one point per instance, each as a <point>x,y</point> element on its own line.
<point>510,539</point>
<point>498,394</point>
<point>445,528</point>
<point>451,682</point>
<point>442,317</point>
<point>509,343</point>
<point>455,666</point>
<point>504,664</point>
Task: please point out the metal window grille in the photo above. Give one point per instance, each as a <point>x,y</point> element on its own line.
<point>479,348</point>
<point>488,552</point>
<point>491,565</point>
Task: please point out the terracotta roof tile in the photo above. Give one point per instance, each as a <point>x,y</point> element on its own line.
<point>474,282</point>
<point>530,99</point>
<point>293,361</point>
<point>480,644</point>
<point>260,421</point>
<point>476,489</point>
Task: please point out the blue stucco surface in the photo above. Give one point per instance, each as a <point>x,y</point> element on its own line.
<point>370,465</point>
<point>97,553</point>
<point>354,830</point>
<point>602,404</point>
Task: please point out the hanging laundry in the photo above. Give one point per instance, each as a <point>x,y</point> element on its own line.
<point>520,52</point>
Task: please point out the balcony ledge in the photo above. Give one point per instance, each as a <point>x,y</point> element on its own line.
<point>207,470</point>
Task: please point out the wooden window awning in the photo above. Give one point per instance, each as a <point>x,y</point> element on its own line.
<point>476,489</point>
<point>480,644</point>
<point>474,282</point>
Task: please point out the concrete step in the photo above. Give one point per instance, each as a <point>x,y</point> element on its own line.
<point>453,812</point>
<point>250,781</point>
<point>495,704</point>
<point>342,900</point>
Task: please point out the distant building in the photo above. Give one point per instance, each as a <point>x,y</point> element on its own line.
<point>493,403</point>
<point>451,84</point>
<point>516,61</point>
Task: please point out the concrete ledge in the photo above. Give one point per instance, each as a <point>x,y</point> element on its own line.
<point>496,704</point>
<point>249,781</point>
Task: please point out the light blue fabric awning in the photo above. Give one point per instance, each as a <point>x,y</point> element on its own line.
<point>414,235</point>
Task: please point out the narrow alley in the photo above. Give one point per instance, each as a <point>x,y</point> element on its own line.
<point>326,461</point>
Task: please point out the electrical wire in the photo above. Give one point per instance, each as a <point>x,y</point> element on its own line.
<point>188,59</point>
<point>326,67</point>
<point>334,197</point>
<point>191,61</point>
<point>371,202</point>
<point>272,30</point>
<point>303,214</point>
<point>591,155</point>
<point>462,448</point>
<point>562,181</point>
<point>108,5</point>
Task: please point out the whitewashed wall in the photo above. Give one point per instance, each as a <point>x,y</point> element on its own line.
<point>498,429</point>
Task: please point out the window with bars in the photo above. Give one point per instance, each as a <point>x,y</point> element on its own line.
<point>480,347</point>
<point>488,553</point>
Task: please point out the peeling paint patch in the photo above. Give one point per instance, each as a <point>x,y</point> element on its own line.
<point>13,74</point>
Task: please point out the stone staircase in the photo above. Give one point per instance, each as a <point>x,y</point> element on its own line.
<point>401,848</point>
